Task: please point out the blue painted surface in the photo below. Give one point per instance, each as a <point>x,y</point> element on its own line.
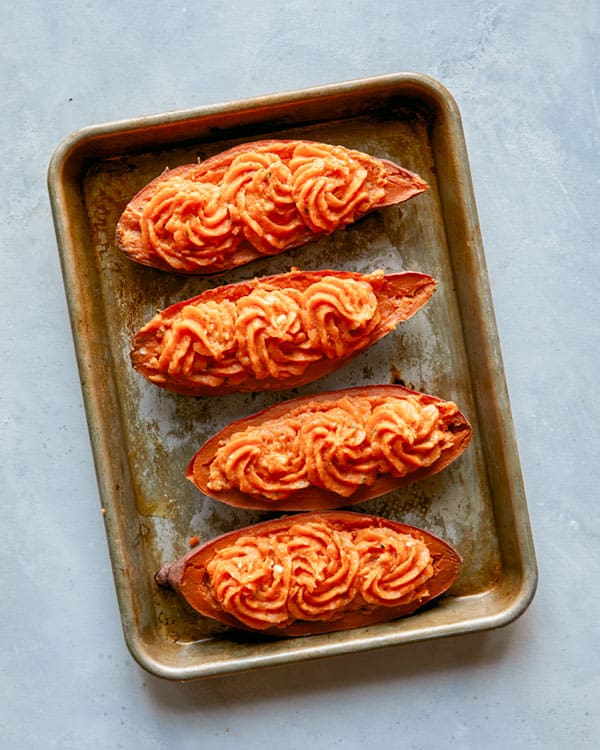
<point>527,80</point>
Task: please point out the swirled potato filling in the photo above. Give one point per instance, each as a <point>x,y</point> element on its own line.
<point>273,333</point>
<point>339,446</point>
<point>315,572</point>
<point>273,197</point>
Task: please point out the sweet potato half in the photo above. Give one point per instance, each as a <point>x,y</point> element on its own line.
<point>314,573</point>
<point>253,200</point>
<point>274,332</point>
<point>330,450</point>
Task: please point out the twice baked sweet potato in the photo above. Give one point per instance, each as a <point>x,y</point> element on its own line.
<point>331,449</point>
<point>253,200</point>
<point>314,573</point>
<point>275,332</point>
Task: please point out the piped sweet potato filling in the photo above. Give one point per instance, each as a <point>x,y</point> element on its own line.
<point>275,196</point>
<point>267,333</point>
<point>339,446</point>
<point>312,571</point>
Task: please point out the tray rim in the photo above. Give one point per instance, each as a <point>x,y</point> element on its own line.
<point>67,162</point>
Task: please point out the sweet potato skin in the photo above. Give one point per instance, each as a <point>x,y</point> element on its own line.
<point>400,185</point>
<point>399,297</point>
<point>314,498</point>
<point>187,576</point>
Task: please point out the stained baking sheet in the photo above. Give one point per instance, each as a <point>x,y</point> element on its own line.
<point>143,437</point>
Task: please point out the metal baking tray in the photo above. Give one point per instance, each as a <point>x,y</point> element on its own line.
<point>143,437</point>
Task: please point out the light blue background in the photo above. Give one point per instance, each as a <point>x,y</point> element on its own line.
<point>526,77</point>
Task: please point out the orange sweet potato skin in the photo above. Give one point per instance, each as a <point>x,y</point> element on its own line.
<point>400,185</point>
<point>399,297</point>
<point>188,577</point>
<point>314,498</point>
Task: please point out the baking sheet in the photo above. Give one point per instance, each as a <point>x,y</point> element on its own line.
<point>143,436</point>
